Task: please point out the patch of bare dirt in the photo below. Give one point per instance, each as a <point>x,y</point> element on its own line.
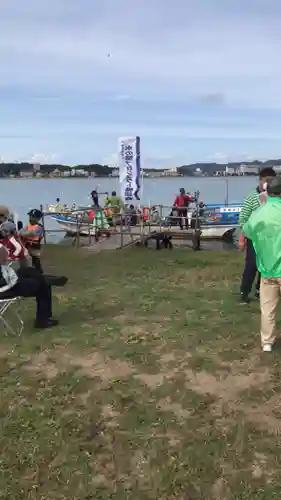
<point>167,357</point>
<point>134,331</point>
<point>151,380</point>
<point>122,318</point>
<point>259,468</point>
<point>263,418</point>
<point>99,480</point>
<point>62,298</point>
<point>3,352</point>
<point>42,364</point>
<point>95,365</point>
<point>226,388</point>
<point>110,416</point>
<point>84,397</point>
<point>51,363</point>
<point>140,466</point>
<point>220,490</point>
<point>176,408</point>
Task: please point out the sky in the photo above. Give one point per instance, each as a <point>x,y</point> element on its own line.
<point>197,80</point>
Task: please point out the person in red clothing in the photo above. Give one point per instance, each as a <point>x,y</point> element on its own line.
<point>10,239</point>
<point>181,204</point>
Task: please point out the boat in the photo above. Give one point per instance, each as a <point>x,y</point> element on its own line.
<point>61,209</point>
<point>217,221</point>
<point>220,221</point>
<point>211,226</point>
<point>72,225</point>
<point>76,223</point>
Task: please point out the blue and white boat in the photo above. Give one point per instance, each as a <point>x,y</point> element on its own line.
<point>220,221</point>
<point>217,222</point>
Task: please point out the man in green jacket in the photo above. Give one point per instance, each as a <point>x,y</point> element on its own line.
<point>264,230</point>
<point>114,202</point>
<point>250,204</point>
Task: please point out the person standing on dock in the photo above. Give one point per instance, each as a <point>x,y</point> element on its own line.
<point>32,236</point>
<point>263,229</point>
<point>115,202</point>
<point>95,198</point>
<point>251,203</point>
<point>181,204</point>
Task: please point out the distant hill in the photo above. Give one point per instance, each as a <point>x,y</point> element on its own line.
<point>211,168</point>
<point>8,169</point>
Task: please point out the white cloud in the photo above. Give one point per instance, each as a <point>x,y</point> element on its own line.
<point>202,56</point>
<point>219,52</point>
<point>42,159</point>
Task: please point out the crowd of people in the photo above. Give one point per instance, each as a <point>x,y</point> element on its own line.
<point>21,272</point>
<point>260,223</point>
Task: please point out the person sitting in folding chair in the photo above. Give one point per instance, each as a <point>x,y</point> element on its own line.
<point>29,283</point>
<point>10,239</point>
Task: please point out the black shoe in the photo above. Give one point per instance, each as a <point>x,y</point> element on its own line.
<point>244,299</point>
<point>59,281</point>
<point>257,294</point>
<point>50,323</point>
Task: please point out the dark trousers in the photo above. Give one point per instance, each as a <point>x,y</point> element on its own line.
<point>182,214</point>
<point>36,263</point>
<point>250,270</point>
<point>33,284</point>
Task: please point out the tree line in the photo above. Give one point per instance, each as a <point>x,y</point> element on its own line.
<point>7,169</point>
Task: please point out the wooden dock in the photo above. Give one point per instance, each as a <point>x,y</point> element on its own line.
<point>139,235</point>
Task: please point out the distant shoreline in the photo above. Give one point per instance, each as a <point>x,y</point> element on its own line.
<point>92,179</point>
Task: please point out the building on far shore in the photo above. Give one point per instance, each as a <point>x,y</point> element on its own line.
<point>238,170</point>
<point>26,174</point>
<point>171,172</point>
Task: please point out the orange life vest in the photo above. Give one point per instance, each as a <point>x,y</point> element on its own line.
<point>33,240</point>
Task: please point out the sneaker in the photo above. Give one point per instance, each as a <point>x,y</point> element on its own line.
<point>257,294</point>
<point>267,348</point>
<point>244,299</point>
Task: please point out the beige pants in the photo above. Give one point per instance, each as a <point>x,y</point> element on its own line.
<point>270,292</point>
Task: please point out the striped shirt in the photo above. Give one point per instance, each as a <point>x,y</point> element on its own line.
<point>250,204</point>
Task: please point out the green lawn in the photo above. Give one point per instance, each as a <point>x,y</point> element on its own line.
<point>153,387</point>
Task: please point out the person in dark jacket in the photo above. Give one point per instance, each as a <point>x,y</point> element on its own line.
<point>95,198</point>
<point>251,203</point>
<point>29,283</point>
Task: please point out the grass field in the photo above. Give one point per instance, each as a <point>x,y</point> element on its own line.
<point>153,387</point>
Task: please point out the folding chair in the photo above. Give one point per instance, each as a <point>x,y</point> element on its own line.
<point>6,304</point>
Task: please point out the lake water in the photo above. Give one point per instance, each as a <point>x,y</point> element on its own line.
<point>21,195</point>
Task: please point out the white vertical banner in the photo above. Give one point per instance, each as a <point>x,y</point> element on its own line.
<point>129,168</point>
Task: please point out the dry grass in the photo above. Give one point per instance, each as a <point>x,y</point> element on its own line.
<point>153,387</point>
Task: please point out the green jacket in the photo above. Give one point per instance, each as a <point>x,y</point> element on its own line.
<point>264,229</point>
<point>115,202</point>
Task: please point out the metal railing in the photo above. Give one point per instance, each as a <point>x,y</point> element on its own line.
<point>131,227</point>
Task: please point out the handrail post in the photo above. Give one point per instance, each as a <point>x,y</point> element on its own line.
<point>43,224</point>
